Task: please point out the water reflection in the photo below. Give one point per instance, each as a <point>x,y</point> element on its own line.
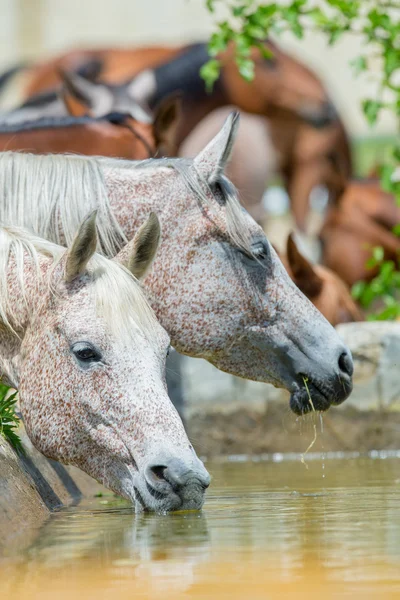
<point>265,525</point>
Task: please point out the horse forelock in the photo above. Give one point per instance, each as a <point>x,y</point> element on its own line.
<point>118,296</point>
<point>120,300</point>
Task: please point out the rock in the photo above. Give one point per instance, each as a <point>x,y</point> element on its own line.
<point>376,353</point>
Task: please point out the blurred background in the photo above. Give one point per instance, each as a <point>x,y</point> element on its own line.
<point>34,29</point>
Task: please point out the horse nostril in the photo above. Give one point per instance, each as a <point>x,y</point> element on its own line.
<point>346,364</point>
<point>176,475</point>
<point>159,472</point>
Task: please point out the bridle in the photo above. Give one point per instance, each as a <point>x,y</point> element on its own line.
<point>121,119</point>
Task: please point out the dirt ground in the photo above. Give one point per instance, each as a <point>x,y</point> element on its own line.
<point>278,430</point>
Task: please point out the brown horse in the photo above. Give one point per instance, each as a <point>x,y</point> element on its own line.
<point>321,285</point>
<point>114,64</point>
<point>81,135</point>
<point>305,128</point>
<point>115,135</point>
<point>362,218</point>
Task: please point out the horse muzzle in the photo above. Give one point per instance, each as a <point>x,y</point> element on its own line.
<point>169,484</point>
<point>319,117</point>
<point>311,394</point>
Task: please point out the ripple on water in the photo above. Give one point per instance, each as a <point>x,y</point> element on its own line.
<point>269,525</point>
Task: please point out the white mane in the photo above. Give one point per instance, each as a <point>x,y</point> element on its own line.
<point>118,295</point>
<point>51,194</point>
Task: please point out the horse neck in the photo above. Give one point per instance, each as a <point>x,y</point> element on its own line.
<point>24,307</point>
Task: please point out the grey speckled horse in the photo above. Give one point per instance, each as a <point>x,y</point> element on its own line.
<point>218,287</point>
<point>83,347</point>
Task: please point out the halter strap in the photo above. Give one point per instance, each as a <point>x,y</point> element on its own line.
<point>117,118</point>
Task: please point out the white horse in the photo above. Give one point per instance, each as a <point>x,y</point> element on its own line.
<point>83,347</point>
<point>218,287</point>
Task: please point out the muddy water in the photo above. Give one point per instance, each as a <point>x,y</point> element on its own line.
<point>268,530</point>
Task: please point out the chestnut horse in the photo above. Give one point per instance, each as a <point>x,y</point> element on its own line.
<point>113,135</point>
<point>305,128</point>
<point>217,287</point>
<point>87,355</point>
<point>363,217</point>
<point>321,285</point>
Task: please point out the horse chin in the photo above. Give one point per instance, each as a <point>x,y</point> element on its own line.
<point>309,398</point>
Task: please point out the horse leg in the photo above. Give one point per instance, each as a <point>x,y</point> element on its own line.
<point>302,178</point>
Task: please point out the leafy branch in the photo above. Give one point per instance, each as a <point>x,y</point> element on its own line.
<point>9,421</point>
<point>249,23</point>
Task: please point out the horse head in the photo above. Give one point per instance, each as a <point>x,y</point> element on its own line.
<point>296,89</point>
<point>83,96</point>
<point>223,294</point>
<point>89,363</point>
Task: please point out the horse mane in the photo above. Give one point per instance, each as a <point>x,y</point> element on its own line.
<point>114,118</point>
<point>51,194</point>
<point>40,99</point>
<point>118,295</point>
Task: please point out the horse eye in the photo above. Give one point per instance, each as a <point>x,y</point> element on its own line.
<point>260,251</point>
<point>218,191</point>
<point>85,352</point>
<point>169,350</point>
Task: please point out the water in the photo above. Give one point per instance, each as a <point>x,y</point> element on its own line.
<point>269,529</point>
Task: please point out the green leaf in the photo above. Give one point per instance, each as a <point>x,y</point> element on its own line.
<point>396,153</point>
<point>386,271</point>
<point>359,64</point>
<point>238,11</point>
<point>246,68</point>
<point>388,314</point>
<point>386,177</point>
<point>210,72</point>
<point>378,253</point>
<point>334,34</point>
<point>358,289</point>
<point>371,263</point>
<point>8,419</point>
<point>210,4</point>
<point>256,32</point>
<point>391,60</point>
<point>371,110</point>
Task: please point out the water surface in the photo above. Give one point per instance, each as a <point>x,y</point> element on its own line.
<point>268,530</point>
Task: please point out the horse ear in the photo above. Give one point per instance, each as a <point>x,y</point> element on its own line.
<point>82,248</point>
<point>139,254</point>
<point>94,96</point>
<point>303,272</point>
<point>212,160</point>
<point>166,121</point>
